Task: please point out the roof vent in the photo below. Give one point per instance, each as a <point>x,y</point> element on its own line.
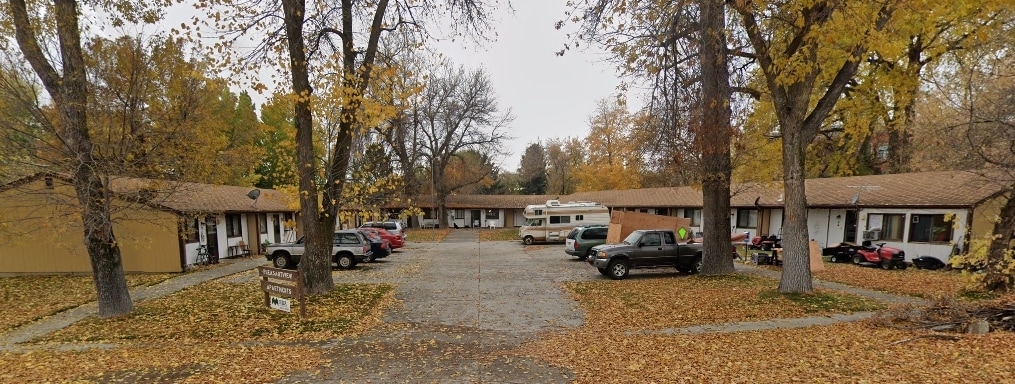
<point>553,203</point>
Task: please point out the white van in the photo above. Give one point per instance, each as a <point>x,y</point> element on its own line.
<point>551,222</point>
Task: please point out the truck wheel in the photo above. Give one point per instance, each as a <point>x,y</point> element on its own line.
<point>604,272</point>
<point>528,240</point>
<point>281,260</point>
<point>696,266</point>
<point>345,261</point>
<point>617,269</point>
<point>857,259</point>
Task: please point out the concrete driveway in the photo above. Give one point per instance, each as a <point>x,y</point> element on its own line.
<point>462,303</point>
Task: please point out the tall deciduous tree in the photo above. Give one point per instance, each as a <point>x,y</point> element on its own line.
<point>563,157</point>
<point>65,79</point>
<point>457,111</point>
<point>342,38</point>
<point>792,44</point>
<point>713,141</point>
<point>612,160</point>
<point>532,170</point>
<point>663,43</point>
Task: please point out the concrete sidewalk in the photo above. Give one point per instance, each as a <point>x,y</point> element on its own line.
<point>42,327</point>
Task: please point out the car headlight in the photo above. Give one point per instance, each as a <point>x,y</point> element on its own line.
<point>601,254</point>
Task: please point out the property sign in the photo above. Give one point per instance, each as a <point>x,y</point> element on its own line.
<point>280,304</point>
<point>287,284</point>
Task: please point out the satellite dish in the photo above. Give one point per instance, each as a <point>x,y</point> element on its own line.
<point>254,194</point>
<point>855,199</point>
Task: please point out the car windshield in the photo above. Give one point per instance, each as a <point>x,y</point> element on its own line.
<point>534,222</point>
<point>632,238</point>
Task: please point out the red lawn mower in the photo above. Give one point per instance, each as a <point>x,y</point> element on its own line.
<point>885,257</point>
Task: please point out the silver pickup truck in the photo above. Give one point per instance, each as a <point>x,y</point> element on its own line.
<point>349,248</point>
<point>645,249</point>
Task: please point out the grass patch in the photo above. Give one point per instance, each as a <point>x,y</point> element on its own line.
<point>910,282</point>
<point>428,235</point>
<point>505,234</point>
<point>824,302</point>
<point>682,301</point>
<point>41,296</point>
<point>222,312</point>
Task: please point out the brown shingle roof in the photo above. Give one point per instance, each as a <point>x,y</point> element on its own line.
<point>925,189</point>
<point>183,196</point>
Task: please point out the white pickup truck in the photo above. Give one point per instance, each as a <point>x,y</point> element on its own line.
<point>349,248</point>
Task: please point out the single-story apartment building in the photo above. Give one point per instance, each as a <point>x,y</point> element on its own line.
<point>925,214</point>
<point>158,224</point>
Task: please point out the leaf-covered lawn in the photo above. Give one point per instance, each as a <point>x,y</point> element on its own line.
<point>912,281</point>
<point>212,332</point>
<point>498,234</point>
<point>428,235</point>
<point>225,312</point>
<point>844,353</point>
<point>661,303</point>
<point>35,297</point>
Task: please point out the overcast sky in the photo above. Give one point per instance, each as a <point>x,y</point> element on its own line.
<point>551,96</point>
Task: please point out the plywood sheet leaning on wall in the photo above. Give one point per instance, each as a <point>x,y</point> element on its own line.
<point>623,223</point>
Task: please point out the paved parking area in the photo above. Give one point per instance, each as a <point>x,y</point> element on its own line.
<point>461,304</point>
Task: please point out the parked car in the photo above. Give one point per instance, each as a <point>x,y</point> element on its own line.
<point>646,249</point>
<point>380,248</point>
<point>581,240</point>
<point>348,249</point>
<point>394,239</point>
<point>392,226</point>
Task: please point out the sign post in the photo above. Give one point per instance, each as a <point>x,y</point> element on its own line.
<point>276,295</point>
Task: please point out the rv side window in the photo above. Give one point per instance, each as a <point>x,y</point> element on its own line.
<point>560,219</point>
<point>579,217</point>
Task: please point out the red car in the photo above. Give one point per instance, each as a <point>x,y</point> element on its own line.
<point>396,240</point>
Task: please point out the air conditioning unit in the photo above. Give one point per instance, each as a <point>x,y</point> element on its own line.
<point>872,235</point>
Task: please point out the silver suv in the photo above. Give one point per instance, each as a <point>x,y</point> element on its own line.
<point>348,249</point>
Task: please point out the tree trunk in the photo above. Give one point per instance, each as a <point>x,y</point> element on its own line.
<point>796,270</point>
<point>713,140</point>
<point>315,264</point>
<point>70,95</point>
<point>1000,256</point>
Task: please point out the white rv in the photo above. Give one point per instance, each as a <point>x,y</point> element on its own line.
<point>553,221</point>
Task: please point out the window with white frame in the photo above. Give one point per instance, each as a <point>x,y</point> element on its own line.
<point>929,229</point>
<point>694,215</point>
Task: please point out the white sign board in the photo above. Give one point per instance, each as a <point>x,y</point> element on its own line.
<point>281,304</point>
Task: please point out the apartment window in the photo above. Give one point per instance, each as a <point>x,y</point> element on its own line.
<point>233,226</point>
<point>190,231</point>
<point>459,214</point>
<point>560,219</point>
<point>492,214</point>
<point>929,229</point>
<point>747,218</point>
<point>890,225</point>
<point>263,219</point>
<point>694,215</point>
